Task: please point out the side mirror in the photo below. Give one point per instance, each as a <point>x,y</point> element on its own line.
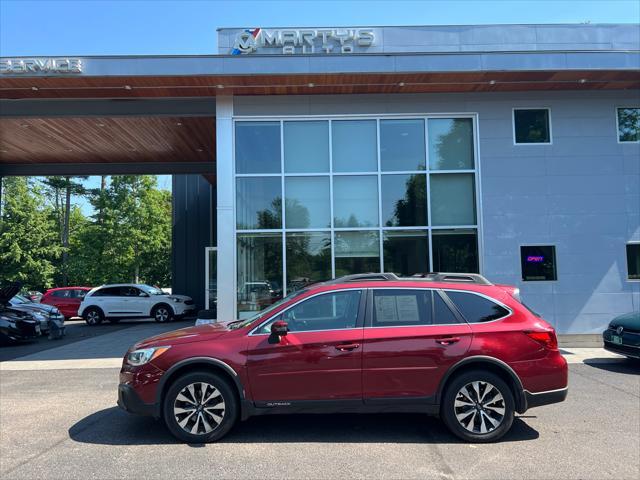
<point>279,328</point>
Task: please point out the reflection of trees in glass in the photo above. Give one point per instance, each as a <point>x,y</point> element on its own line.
<point>351,222</point>
<point>295,210</point>
<point>308,259</point>
<point>454,149</point>
<point>411,210</point>
<point>271,217</point>
<point>629,124</point>
<point>259,269</point>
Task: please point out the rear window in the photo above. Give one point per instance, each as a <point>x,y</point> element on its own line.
<point>476,309</point>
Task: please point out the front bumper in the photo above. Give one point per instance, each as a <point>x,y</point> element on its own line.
<point>129,401</point>
<point>630,351</point>
<point>545,398</point>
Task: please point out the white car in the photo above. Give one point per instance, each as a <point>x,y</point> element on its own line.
<point>130,300</point>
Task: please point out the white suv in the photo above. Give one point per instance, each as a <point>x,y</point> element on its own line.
<point>129,300</point>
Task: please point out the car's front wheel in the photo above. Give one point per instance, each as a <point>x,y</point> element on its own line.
<point>200,407</point>
<point>478,407</point>
<point>93,316</point>
<point>162,313</point>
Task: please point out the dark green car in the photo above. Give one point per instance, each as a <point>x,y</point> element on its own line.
<point>623,335</point>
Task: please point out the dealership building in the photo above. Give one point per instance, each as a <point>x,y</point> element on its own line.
<point>302,154</point>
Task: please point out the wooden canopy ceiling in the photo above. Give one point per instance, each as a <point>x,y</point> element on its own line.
<point>108,140</point>
<point>210,85</point>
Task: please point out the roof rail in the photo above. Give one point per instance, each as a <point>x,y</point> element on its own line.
<point>365,277</point>
<point>453,277</point>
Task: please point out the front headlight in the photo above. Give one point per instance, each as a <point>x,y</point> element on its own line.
<point>144,355</point>
<point>175,299</point>
<point>38,316</point>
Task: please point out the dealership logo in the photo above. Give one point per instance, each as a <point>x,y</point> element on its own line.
<point>40,65</point>
<point>292,41</point>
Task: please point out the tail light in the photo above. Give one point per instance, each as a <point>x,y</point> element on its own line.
<point>545,338</point>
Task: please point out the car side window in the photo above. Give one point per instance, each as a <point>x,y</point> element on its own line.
<point>475,308</point>
<point>442,314</point>
<point>61,294</point>
<point>107,292</point>
<point>79,293</point>
<point>329,311</point>
<point>130,292</point>
<point>401,307</point>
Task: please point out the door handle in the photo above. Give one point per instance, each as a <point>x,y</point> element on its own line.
<point>347,347</point>
<point>447,340</point>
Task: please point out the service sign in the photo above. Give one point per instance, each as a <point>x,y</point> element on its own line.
<point>304,41</point>
<point>40,65</point>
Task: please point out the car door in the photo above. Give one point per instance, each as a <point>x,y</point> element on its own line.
<point>108,299</point>
<point>319,359</point>
<point>135,301</point>
<point>61,300</point>
<point>411,338</point>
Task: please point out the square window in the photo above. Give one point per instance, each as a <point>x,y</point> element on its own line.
<point>406,252</point>
<point>404,200</point>
<point>258,203</point>
<point>538,263</point>
<point>357,252</point>
<point>453,200</point>
<point>355,201</point>
<point>633,261</point>
<point>354,145</point>
<point>308,203</point>
<point>402,146</point>
<point>455,251</point>
<point>628,124</point>
<point>306,147</point>
<point>531,126</point>
<point>308,259</point>
<point>450,143</point>
<point>257,147</point>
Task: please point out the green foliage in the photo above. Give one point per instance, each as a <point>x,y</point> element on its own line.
<point>29,246</point>
<point>127,239</point>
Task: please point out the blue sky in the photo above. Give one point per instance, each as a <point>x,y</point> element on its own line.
<point>97,27</point>
<point>86,27</point>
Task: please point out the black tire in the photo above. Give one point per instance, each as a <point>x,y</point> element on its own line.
<point>162,313</point>
<point>113,320</point>
<point>482,415</point>
<point>93,316</point>
<point>228,414</point>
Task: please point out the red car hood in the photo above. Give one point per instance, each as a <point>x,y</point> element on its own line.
<point>185,335</point>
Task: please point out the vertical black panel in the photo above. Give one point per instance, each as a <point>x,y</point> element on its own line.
<point>192,232</point>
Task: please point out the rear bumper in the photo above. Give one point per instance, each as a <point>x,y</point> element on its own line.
<point>129,401</point>
<point>545,398</point>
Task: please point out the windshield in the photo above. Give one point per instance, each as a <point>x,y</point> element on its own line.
<point>151,290</point>
<point>266,311</point>
<point>20,299</point>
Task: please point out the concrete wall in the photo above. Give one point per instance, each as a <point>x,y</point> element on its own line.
<point>192,232</point>
<point>581,193</point>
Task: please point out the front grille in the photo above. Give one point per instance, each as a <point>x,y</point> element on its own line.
<point>623,349</point>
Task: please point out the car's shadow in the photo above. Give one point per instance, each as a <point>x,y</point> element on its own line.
<point>625,366</point>
<point>113,426</point>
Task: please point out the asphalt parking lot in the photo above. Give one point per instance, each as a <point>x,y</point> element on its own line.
<point>59,420</point>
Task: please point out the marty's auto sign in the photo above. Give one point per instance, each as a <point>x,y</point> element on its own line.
<point>306,40</point>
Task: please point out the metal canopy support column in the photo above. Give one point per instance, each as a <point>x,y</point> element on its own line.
<point>225,208</point>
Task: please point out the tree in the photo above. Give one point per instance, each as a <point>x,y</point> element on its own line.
<point>28,243</point>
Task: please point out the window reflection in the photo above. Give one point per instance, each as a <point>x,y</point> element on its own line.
<point>308,259</point>
<point>355,201</point>
<point>450,143</point>
<point>258,203</point>
<point>402,146</point>
<point>406,252</point>
<point>404,200</point>
<point>257,147</point>
<point>455,251</point>
<point>308,203</point>
<point>357,252</point>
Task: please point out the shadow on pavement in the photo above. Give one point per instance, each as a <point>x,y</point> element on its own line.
<point>624,366</point>
<point>113,426</point>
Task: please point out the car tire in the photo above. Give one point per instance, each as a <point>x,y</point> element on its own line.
<point>93,316</point>
<point>162,313</point>
<point>205,424</point>
<point>478,406</point>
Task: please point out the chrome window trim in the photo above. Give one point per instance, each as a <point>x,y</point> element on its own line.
<point>253,333</point>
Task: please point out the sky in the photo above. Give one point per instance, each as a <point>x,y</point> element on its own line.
<point>162,27</point>
<point>96,27</point>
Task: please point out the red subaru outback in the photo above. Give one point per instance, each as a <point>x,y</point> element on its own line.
<point>452,345</point>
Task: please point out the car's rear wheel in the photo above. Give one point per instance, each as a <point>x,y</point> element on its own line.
<point>200,407</point>
<point>162,313</point>
<point>478,406</point>
<point>93,316</point>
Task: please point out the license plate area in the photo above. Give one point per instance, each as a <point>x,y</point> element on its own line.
<point>616,339</point>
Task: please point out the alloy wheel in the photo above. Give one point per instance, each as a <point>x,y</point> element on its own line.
<point>479,407</point>
<point>93,317</point>
<point>199,408</point>
<point>162,314</point>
